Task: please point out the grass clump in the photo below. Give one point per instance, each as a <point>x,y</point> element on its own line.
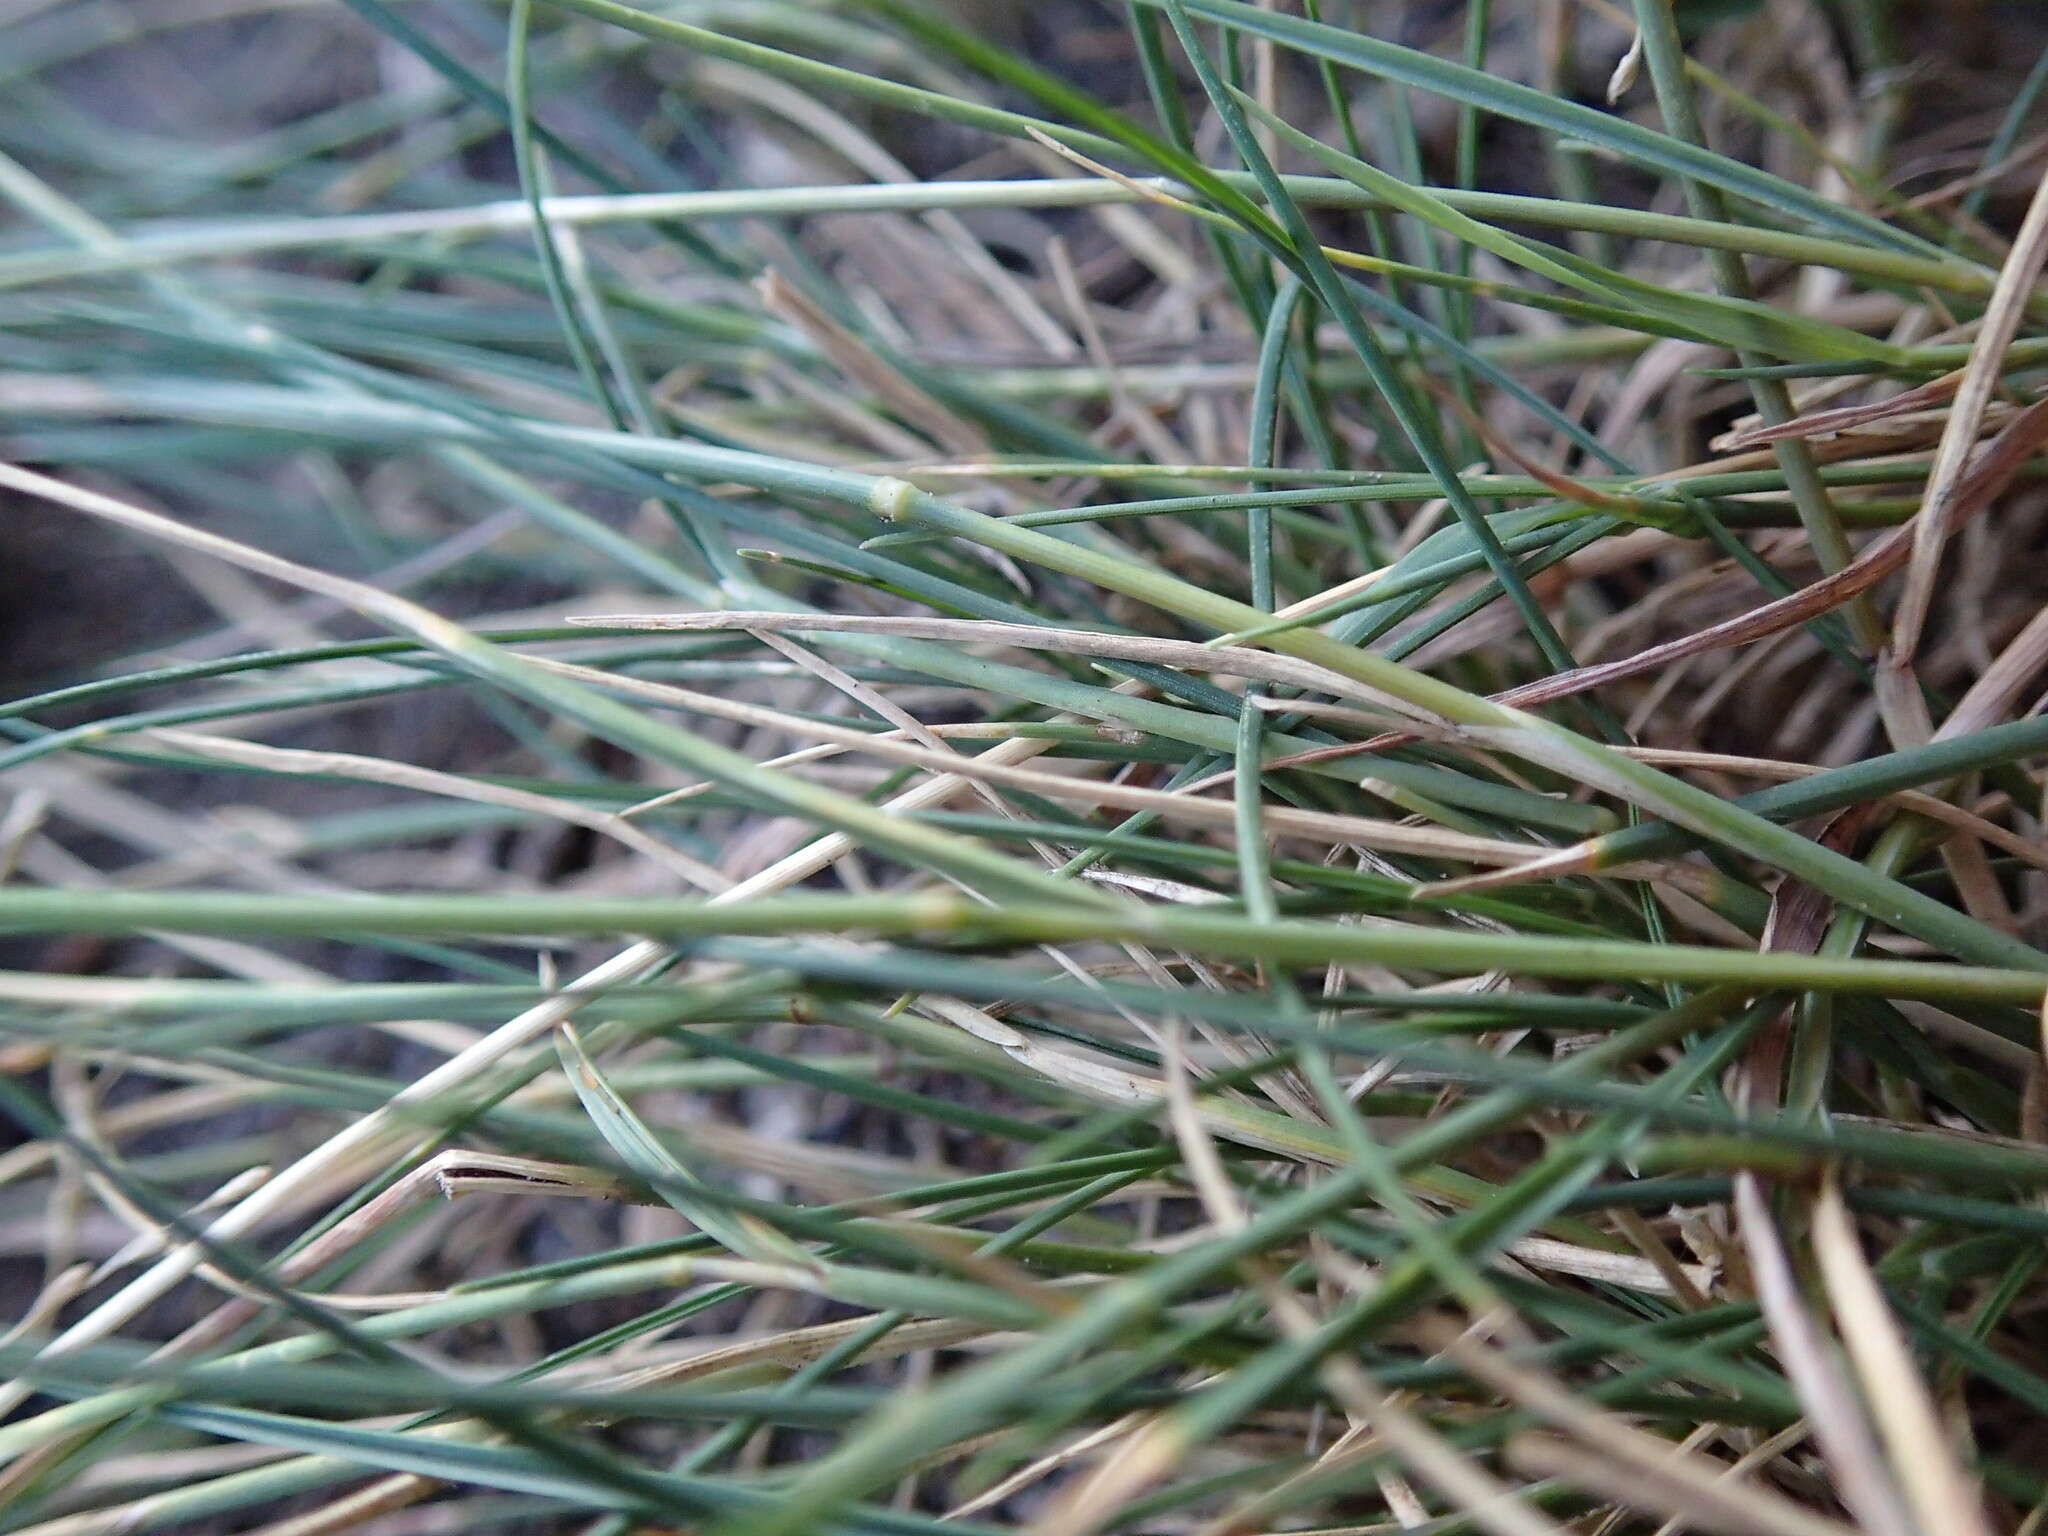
<point>1189,767</point>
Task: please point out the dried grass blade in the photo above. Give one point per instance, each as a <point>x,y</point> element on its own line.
<point>1946,1499</point>
<point>1946,502</point>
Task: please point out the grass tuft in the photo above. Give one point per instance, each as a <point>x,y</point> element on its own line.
<point>1178,768</point>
